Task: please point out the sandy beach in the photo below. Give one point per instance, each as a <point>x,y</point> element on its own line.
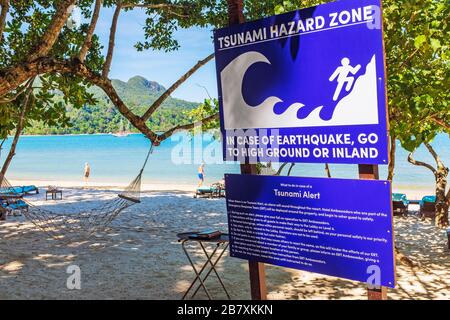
<point>139,257</point>
<point>100,185</point>
<point>412,192</point>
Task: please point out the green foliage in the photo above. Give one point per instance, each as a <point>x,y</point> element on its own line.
<point>417,49</point>
<point>287,6</point>
<point>208,108</point>
<point>26,23</point>
<point>416,34</point>
<point>160,25</point>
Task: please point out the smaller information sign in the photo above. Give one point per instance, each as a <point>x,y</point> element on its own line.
<point>336,227</point>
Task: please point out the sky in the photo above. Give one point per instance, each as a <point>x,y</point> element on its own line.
<point>164,68</point>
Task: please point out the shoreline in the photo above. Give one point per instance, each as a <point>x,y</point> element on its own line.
<point>69,134</point>
<point>412,192</point>
<point>114,186</point>
<point>77,134</point>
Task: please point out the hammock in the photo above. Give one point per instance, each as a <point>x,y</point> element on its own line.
<point>82,225</point>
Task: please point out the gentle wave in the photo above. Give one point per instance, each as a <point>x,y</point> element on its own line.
<point>118,160</point>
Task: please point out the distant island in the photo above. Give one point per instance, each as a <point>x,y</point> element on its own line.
<point>138,93</point>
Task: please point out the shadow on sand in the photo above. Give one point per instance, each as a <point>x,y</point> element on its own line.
<point>138,257</point>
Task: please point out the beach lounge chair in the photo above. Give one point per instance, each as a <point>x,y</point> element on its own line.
<point>30,189</point>
<point>216,190</point>
<point>24,190</point>
<point>11,191</point>
<point>428,207</point>
<point>13,206</point>
<point>18,206</point>
<point>209,192</point>
<point>400,204</point>
<point>3,213</point>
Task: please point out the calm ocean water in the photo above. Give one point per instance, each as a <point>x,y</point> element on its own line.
<point>62,158</point>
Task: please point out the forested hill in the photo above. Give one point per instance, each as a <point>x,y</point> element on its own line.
<point>138,93</point>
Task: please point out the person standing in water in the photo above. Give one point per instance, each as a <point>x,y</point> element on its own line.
<point>87,173</point>
<point>201,174</point>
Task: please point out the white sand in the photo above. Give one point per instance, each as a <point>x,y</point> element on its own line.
<point>139,256</point>
<point>413,192</point>
<point>115,186</point>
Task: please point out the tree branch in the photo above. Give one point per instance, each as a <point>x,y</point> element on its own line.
<point>113,30</point>
<point>162,6</point>
<point>441,122</point>
<point>106,85</point>
<point>290,169</point>
<point>18,74</point>
<point>3,14</point>
<point>420,163</point>
<point>88,41</point>
<point>409,58</point>
<point>391,166</point>
<point>235,9</point>
<point>155,6</point>
<point>19,128</point>
<point>169,91</point>
<point>15,75</point>
<point>280,169</point>
<point>189,126</point>
<point>18,93</point>
<point>327,170</point>
<point>436,157</point>
<point>44,45</point>
<point>112,39</point>
<point>433,153</point>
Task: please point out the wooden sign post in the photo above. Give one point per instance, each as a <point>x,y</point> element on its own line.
<point>370,172</point>
<point>256,269</point>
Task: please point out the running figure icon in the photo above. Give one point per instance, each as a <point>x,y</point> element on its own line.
<point>342,75</point>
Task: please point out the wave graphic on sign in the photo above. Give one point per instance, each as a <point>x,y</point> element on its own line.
<point>359,107</point>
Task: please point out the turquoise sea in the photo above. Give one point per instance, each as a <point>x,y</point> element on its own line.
<point>118,160</point>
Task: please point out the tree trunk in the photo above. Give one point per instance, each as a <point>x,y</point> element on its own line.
<point>290,169</point>
<point>391,166</point>
<point>175,86</point>
<point>442,201</point>
<point>112,41</point>
<point>327,170</point>
<point>281,168</point>
<point>235,12</point>
<point>11,154</point>
<point>441,175</point>
<point>3,14</point>
<point>45,44</point>
<point>1,144</point>
<point>19,128</point>
<point>88,40</point>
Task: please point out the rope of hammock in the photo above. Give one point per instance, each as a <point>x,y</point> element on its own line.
<point>82,225</point>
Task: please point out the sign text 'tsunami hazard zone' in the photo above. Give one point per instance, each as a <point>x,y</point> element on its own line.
<point>305,86</point>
